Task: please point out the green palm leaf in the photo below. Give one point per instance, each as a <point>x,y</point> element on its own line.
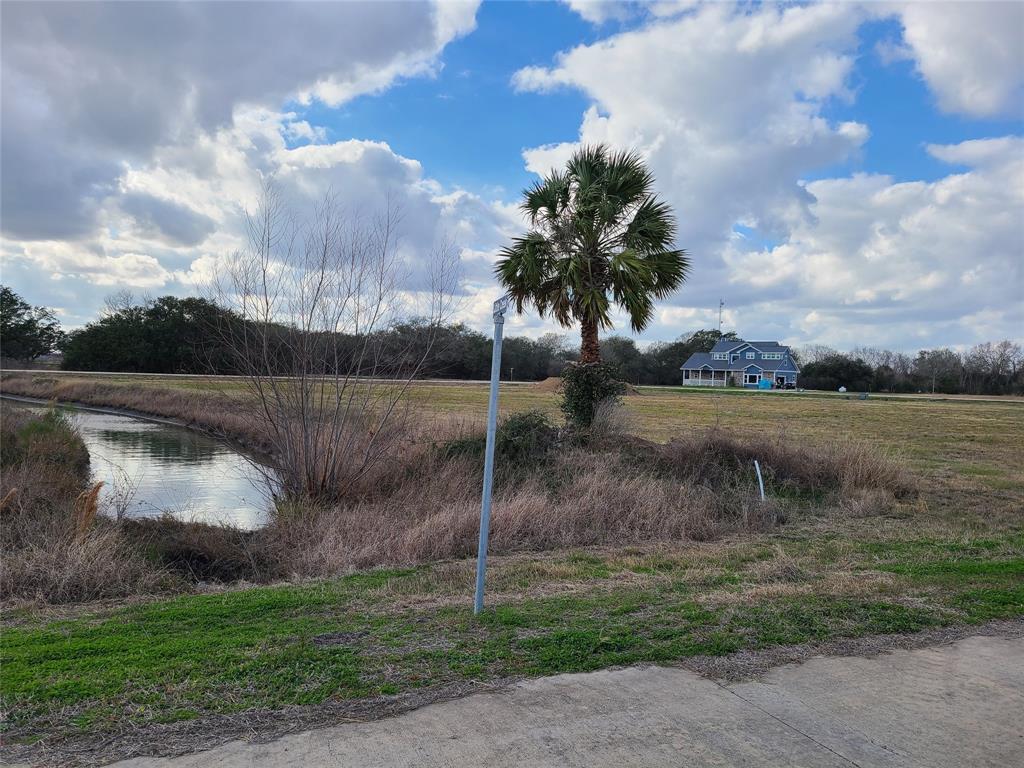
<point>600,237</point>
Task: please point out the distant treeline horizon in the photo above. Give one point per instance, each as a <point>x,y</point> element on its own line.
<point>184,335</point>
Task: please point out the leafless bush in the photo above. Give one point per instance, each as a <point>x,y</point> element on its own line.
<point>312,303</point>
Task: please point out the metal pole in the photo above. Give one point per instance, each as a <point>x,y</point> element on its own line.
<point>500,307</point>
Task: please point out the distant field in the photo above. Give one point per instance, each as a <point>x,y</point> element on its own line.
<point>971,448</point>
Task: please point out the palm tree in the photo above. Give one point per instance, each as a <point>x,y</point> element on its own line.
<point>598,234</point>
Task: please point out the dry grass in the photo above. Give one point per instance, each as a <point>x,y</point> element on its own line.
<point>616,493</point>
<point>421,502</point>
<point>52,548</point>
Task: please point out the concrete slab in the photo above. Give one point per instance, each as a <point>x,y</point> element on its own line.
<point>956,705</point>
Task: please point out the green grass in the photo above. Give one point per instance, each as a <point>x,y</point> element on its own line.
<point>200,654</point>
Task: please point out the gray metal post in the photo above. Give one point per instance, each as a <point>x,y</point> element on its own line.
<point>500,307</point>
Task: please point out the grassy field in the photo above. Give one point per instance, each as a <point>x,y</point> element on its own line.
<point>954,555</point>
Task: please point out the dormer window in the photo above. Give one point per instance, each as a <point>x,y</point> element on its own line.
<point>719,356</point>
<point>750,355</point>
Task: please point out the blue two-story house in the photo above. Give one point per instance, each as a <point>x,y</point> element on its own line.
<point>751,364</point>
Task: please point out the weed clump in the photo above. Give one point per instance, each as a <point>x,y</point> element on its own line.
<point>52,545</point>
<point>585,387</point>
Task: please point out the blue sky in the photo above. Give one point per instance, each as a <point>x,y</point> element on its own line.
<point>844,174</point>
<point>469,126</point>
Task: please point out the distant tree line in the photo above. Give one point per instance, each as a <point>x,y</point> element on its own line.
<point>175,335</point>
<point>984,369</point>
<point>26,332</point>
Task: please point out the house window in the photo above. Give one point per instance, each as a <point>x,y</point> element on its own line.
<point>750,355</point>
<point>751,378</point>
<point>772,356</point>
<point>719,356</point>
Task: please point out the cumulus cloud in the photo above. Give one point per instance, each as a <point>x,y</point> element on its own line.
<point>90,87</point>
<point>970,54</point>
<point>900,263</point>
<point>177,216</point>
<point>602,11</point>
<point>166,219</point>
<point>729,116</point>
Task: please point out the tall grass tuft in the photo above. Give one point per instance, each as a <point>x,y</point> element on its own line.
<point>53,547</point>
<point>85,509</point>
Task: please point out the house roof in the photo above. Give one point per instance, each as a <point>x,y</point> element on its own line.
<point>698,359</point>
<point>762,346</point>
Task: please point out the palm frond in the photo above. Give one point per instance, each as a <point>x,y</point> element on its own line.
<point>600,236</point>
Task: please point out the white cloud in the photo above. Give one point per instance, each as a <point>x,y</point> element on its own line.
<point>602,11</point>
<point>970,54</point>
<point>904,263</point>
<point>89,88</point>
<point>175,217</point>
<point>729,116</point>
<point>727,105</point>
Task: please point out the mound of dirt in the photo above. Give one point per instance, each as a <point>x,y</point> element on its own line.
<point>550,384</point>
<point>554,384</point>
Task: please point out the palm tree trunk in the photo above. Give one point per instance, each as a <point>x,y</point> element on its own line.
<point>590,349</point>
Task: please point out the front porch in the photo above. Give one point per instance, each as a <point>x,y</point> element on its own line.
<point>704,377</point>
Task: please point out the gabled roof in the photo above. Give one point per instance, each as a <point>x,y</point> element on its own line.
<point>727,345</point>
<point>700,359</point>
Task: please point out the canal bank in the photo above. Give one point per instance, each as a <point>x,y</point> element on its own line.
<point>151,467</point>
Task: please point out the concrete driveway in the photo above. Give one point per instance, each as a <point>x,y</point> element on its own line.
<point>954,705</point>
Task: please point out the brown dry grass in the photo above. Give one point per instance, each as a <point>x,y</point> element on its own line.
<point>52,548</point>
<point>421,504</point>
<point>618,492</point>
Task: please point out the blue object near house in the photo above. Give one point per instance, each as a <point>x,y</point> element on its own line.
<point>750,364</point>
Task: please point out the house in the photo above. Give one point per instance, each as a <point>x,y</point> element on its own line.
<point>742,364</point>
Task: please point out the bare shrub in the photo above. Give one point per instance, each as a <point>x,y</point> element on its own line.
<point>311,304</point>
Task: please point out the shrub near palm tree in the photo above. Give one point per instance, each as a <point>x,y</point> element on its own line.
<point>598,237</point>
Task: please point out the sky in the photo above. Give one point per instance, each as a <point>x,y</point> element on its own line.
<point>845,174</point>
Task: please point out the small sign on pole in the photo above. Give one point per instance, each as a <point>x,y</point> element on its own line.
<point>500,308</point>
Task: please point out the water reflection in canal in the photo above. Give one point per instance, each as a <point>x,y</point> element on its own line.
<point>150,469</point>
